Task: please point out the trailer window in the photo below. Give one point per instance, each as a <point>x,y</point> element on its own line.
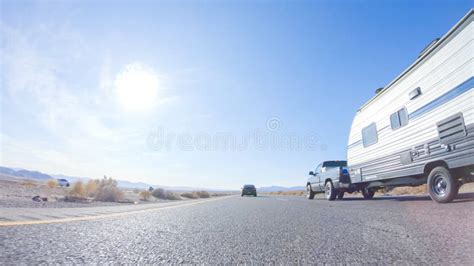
<point>395,121</point>
<point>369,135</point>
<point>399,118</point>
<point>403,115</point>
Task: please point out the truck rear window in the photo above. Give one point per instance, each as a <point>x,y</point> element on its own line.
<point>335,164</point>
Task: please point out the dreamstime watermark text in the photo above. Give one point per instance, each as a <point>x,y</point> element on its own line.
<point>269,138</point>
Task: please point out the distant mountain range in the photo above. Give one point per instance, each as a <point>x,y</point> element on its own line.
<point>23,173</point>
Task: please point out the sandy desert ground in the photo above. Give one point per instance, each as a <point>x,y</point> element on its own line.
<point>16,192</point>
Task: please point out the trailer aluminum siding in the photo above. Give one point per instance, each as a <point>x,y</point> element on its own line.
<point>440,120</point>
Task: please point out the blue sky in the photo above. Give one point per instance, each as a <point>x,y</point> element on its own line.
<point>97,87</point>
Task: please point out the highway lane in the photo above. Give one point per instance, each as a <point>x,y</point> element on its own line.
<point>266,229</point>
<point>27,216</point>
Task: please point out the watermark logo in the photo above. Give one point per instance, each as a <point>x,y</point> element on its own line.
<point>273,124</point>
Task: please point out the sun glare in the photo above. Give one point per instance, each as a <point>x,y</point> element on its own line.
<point>136,88</point>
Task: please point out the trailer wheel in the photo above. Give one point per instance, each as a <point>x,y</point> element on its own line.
<point>309,192</point>
<point>330,191</point>
<point>340,195</point>
<point>368,193</point>
<point>442,187</point>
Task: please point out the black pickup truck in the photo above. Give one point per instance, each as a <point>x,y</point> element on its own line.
<point>331,178</point>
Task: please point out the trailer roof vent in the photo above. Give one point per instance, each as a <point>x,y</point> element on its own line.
<point>415,93</point>
<point>378,90</point>
<point>433,42</point>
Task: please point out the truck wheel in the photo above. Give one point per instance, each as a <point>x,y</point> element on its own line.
<point>330,191</point>
<point>340,195</point>
<point>443,188</point>
<point>368,193</point>
<point>309,192</point>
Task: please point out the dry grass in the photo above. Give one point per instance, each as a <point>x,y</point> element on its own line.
<point>163,194</point>
<point>52,183</point>
<point>421,190</point>
<point>467,188</point>
<point>196,195</point>
<point>289,193</point>
<point>408,190</point>
<point>145,195</point>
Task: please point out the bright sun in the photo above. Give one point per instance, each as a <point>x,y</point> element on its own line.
<point>136,87</point>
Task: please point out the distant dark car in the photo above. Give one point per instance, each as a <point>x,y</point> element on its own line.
<point>249,190</point>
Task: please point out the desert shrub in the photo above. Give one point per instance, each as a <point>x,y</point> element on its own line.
<point>91,187</point>
<point>203,194</point>
<point>145,195</point>
<point>52,183</point>
<point>159,193</point>
<point>78,190</point>
<point>190,195</point>
<point>163,194</point>
<point>107,190</point>
<point>172,196</point>
<point>196,195</point>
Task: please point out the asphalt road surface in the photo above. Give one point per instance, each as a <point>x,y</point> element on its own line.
<point>266,229</point>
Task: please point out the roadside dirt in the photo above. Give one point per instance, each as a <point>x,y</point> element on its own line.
<point>18,193</point>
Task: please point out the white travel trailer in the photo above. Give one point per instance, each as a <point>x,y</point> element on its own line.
<point>420,127</point>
